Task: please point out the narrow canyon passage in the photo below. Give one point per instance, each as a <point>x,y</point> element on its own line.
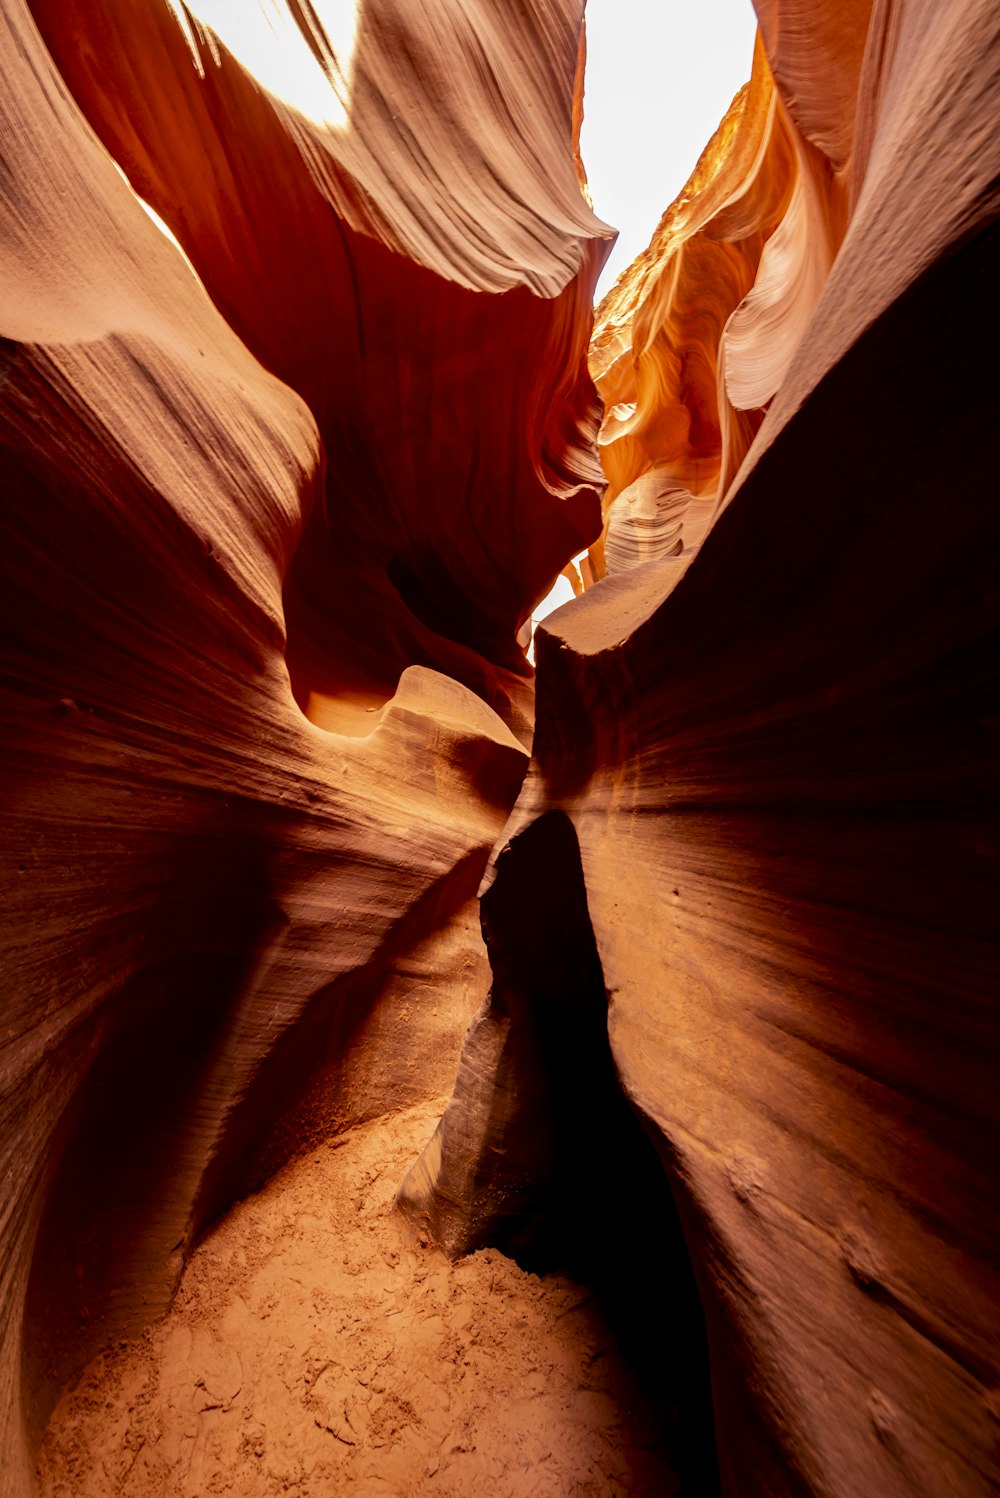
<point>428,1067</point>
<point>320,1342</point>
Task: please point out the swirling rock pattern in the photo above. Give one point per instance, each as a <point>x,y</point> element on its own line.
<point>389,268</point>
<point>697,335</point>
<point>269,532</point>
<point>776,757</point>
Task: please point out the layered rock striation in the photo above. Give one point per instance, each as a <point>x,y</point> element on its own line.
<point>274,509</point>
<point>278,498</point>
<point>772,742</point>
<point>697,336</point>
<point>392,261</point>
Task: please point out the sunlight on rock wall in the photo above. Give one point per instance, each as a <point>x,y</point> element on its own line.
<point>277,508</point>
<point>270,532</point>
<point>697,335</point>
<point>769,731</point>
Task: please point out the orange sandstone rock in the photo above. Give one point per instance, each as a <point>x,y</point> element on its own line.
<point>421,272</point>
<point>776,758</point>
<point>697,335</point>
<point>268,536</point>
<point>270,531</point>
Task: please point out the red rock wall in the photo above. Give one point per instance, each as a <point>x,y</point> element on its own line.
<point>776,754</point>
<point>390,269</point>
<point>267,541</point>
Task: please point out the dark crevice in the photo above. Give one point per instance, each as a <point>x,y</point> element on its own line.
<point>543,1157</point>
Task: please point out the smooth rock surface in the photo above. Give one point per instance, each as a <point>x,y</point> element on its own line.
<point>269,532</point>
<point>276,506</point>
<point>777,756</point>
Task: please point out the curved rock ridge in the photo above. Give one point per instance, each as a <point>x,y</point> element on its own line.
<point>669,435</point>
<point>697,334</point>
<point>361,262</point>
<point>273,511</point>
<point>775,756</point>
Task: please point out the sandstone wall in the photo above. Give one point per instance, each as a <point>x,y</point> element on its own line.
<point>770,730</point>
<point>269,533</point>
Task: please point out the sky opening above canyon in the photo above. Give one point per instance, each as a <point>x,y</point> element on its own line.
<point>660,76</point>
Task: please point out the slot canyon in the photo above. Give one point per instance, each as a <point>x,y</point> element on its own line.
<point>448,1050</point>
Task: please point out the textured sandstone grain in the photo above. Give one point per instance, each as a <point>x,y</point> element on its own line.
<point>422,274</point>
<point>315,1346</point>
<point>270,528</point>
<point>776,755</point>
<point>268,536</point>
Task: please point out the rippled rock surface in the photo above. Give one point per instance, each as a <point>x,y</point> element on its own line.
<point>269,532</point>
<point>767,735</point>
<point>278,498</point>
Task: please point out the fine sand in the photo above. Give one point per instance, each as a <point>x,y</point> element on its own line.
<point>314,1348</point>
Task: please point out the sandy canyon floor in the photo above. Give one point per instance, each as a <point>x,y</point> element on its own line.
<point>315,1349</point>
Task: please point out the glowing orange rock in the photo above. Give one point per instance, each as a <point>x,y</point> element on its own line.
<point>421,272</point>
<point>697,335</point>
<point>774,754</point>
<point>265,551</point>
<point>265,556</point>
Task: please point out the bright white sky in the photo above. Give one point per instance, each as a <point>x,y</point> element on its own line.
<point>660,76</point>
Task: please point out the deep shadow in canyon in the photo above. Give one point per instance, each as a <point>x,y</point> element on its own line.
<point>729,1108</point>
<point>566,1177</point>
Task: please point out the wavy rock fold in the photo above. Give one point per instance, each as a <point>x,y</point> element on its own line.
<point>303,408</point>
